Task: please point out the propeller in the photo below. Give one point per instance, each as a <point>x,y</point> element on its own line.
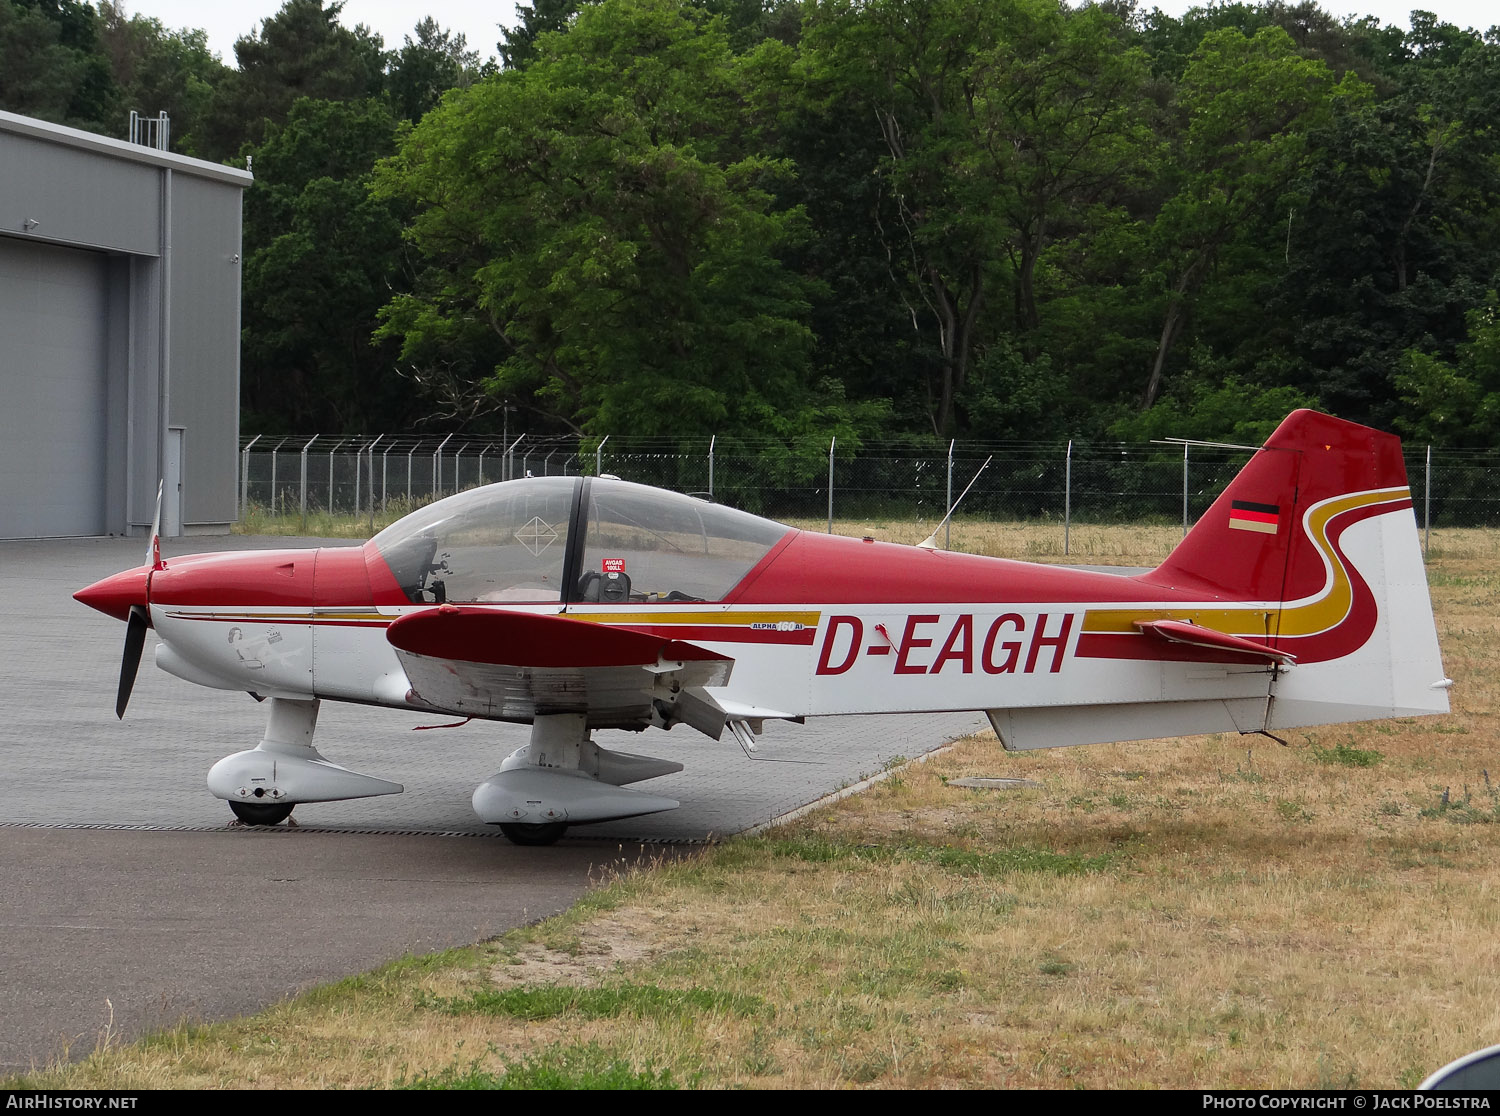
<point>139,619</point>
<point>130,663</point>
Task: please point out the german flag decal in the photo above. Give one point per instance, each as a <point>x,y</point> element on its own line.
<point>1247,516</point>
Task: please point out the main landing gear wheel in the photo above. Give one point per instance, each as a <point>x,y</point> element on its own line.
<point>254,813</point>
<point>546,833</point>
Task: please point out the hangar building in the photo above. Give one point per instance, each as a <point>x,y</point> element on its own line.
<point>119,335</point>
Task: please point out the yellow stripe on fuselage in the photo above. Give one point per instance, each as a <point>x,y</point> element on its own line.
<point>1318,613</point>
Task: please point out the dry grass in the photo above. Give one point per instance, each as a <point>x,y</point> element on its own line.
<point>1218,911</point>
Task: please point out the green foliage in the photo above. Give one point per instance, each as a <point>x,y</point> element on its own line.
<point>574,1067</point>
<point>159,70</point>
<point>427,67</point>
<point>1210,409</point>
<point>1457,403</point>
<point>1247,103</point>
<point>997,862</point>
<point>646,1001</point>
<point>1346,755</point>
<point>321,256</point>
<point>885,220</point>
<point>986,127</point>
<point>592,225</point>
<point>300,52</point>
<point>51,66</point>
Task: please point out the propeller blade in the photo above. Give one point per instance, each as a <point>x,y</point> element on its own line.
<point>153,552</point>
<point>130,663</point>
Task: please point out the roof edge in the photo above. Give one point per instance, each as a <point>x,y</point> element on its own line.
<point>121,149</point>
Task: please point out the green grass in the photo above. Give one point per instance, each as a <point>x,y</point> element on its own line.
<point>994,862</point>
<point>1346,755</point>
<point>645,1001</point>
<point>571,1068</point>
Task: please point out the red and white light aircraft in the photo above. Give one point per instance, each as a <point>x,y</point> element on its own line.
<point>573,604</point>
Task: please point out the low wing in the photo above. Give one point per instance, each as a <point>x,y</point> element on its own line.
<point>514,666</point>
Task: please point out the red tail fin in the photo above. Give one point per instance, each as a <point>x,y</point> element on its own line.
<point>1251,544</point>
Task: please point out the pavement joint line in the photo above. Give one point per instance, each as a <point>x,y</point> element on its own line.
<point>370,831</point>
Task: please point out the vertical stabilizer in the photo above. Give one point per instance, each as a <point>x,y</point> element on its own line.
<point>1319,527</point>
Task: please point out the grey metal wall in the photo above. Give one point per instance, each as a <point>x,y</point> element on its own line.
<point>53,345</point>
<point>204,349</point>
<point>161,237</point>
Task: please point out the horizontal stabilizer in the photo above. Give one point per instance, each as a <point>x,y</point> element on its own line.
<point>1217,643</point>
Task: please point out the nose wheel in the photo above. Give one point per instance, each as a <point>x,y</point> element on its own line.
<point>256,813</point>
<point>545,833</point>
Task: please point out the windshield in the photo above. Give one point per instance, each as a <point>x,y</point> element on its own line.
<point>503,542</point>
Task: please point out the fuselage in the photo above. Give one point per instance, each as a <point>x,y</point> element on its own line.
<point>576,604</point>
<point>815,624</point>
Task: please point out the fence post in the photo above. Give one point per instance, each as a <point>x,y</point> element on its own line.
<point>409,454</point>
<point>510,458</point>
<point>457,481</point>
<point>245,479</point>
<point>304,478</point>
<point>1067,497</point>
<point>275,492</point>
<point>1427,506</point>
<point>711,440</point>
<point>437,469</point>
<point>358,453</point>
<point>336,445</point>
<point>831,443</point>
<point>599,456</point>
<point>948,518</point>
<point>1184,489</point>
<point>378,437</point>
<point>384,462</point>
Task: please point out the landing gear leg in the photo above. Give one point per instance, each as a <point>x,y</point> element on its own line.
<point>563,778</point>
<point>264,784</point>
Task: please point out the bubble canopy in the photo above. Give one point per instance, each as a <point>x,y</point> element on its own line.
<point>574,540</point>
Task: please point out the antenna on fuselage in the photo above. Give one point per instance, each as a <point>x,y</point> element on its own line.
<point>930,542</point>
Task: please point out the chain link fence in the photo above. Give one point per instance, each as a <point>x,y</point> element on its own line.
<point>1059,483</point>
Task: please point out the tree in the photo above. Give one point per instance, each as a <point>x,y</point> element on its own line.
<point>1398,238</point>
<point>518,45</point>
<point>51,67</point>
<point>321,256</point>
<point>158,70</point>
<point>424,69</point>
<point>301,51</point>
<point>1246,106</point>
<point>1457,403</point>
<point>999,124</point>
<point>595,236</point>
